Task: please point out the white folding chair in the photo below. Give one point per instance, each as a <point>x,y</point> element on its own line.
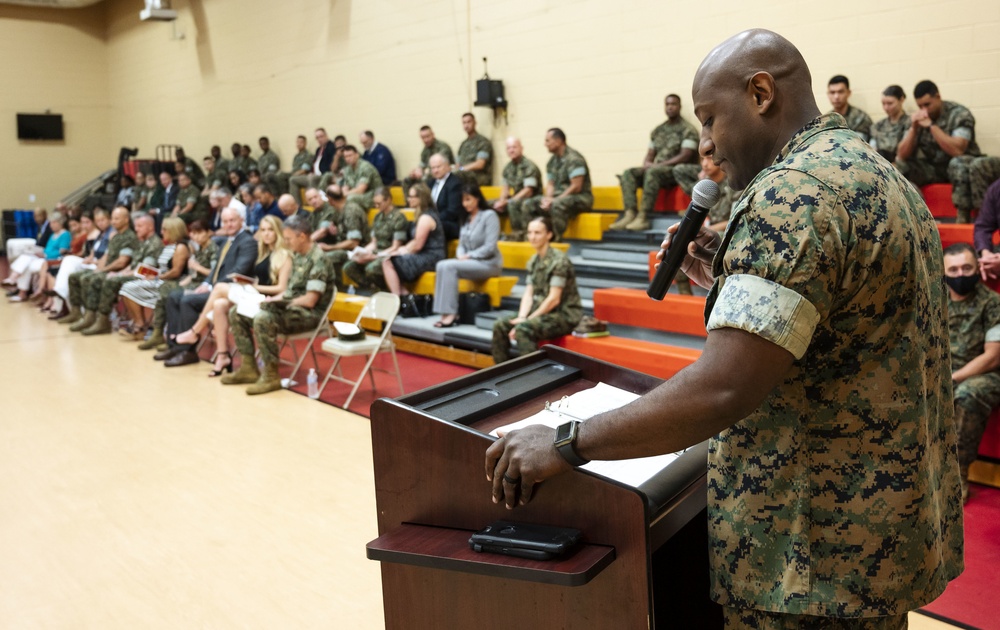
<point>311,335</point>
<point>383,307</point>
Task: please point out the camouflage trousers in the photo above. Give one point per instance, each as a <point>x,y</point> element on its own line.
<point>109,292</point>
<point>528,333</point>
<point>79,286</point>
<point>366,199</point>
<point>984,171</point>
<point>687,176</point>
<point>752,619</point>
<point>271,321</point>
<point>479,178</point>
<point>277,182</point>
<point>368,275</point>
<point>518,215</point>
<point>160,310</point>
<point>956,171</point>
<point>337,258</point>
<point>297,182</point>
<point>651,180</point>
<point>562,210</point>
<point>975,399</point>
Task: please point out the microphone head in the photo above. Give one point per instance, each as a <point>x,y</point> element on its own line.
<point>705,194</point>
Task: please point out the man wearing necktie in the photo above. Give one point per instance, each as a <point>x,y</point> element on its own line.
<point>446,191</point>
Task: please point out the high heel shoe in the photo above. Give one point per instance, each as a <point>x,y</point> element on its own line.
<point>228,367</point>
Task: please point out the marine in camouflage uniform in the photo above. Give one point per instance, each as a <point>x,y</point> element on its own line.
<point>560,170</point>
<point>551,270</point>
<point>425,161</point>
<point>303,161</point>
<point>517,176</point>
<point>984,171</point>
<point>973,322</point>
<point>363,172</point>
<point>859,122</point>
<point>386,228</point>
<point>102,293</point>
<point>85,286</point>
<point>352,225</point>
<point>666,142</point>
<point>887,134</point>
<point>268,164</point>
<point>476,147</point>
<point>839,495</point>
<point>191,194</point>
<point>205,256</point>
<point>310,272</point>
<point>930,164</point>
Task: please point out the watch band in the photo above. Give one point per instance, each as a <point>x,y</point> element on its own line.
<point>565,443</point>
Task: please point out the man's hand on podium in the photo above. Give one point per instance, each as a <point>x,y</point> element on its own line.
<point>521,459</point>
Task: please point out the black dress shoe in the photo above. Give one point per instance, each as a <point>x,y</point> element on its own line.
<point>185,357</point>
<point>168,353</point>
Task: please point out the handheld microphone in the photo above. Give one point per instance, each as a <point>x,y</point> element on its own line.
<point>703,197</point>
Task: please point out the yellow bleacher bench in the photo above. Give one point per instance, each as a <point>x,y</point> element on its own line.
<point>346,307</point>
<point>516,253</point>
<point>496,288</point>
<point>407,212</point>
<point>589,226</point>
<point>607,198</point>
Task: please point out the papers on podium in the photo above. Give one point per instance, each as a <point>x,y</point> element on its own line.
<point>586,404</point>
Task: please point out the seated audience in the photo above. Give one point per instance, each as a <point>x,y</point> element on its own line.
<point>270,273</point>
<point>301,164</point>
<point>358,178</point>
<point>238,162</point>
<point>172,266</point>
<point>940,146</point>
<point>974,334</point>
<point>126,191</point>
<point>289,206</point>
<point>266,205</point>
<point>475,154</point>
<point>199,265</point>
<point>379,156</point>
<point>52,304</point>
<point>236,180</point>
<point>188,198</point>
<point>150,198</point>
<point>17,246</point>
<point>298,309</point>
<point>987,225</point>
<point>567,190</point>
<point>523,176</point>
<point>887,132</point>
<point>550,306</point>
<point>838,90</point>
<point>321,162</point>
<point>268,164</point>
<point>99,232</point>
<point>446,195</point>
<point>342,227</point>
<point>423,251</point>
<point>389,233</point>
<point>221,163</point>
<point>431,146</point>
<point>477,258</point>
<point>984,171</point>
<point>187,165</point>
<point>32,263</point>
<point>672,143</point>
<point>253,178</point>
<point>247,162</point>
<point>214,178</point>
<point>237,254</point>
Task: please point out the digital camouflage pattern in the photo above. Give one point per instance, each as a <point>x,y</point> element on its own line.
<point>972,323</point>
<point>303,161</point>
<point>839,495</point>
<point>352,225</point>
<point>955,120</point>
<point>750,619</point>
<point>386,228</point>
<point>363,172</point>
<point>667,140</point>
<point>518,176</point>
<point>477,147</point>
<point>85,285</point>
<point>560,170</point>
<point>552,270</point>
<point>205,256</point>
<point>104,293</point>
<point>859,122</point>
<point>886,135</point>
<point>269,163</point>
<point>436,147</point>
<point>984,171</point>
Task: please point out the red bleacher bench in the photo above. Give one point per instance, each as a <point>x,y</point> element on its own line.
<point>655,359</point>
<point>672,199</point>
<point>990,445</point>
<point>682,314</point>
<point>938,198</point>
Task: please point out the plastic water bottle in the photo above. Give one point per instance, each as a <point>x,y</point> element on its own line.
<point>313,383</point>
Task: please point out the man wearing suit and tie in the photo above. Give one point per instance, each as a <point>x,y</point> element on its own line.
<point>322,161</point>
<point>236,255</point>
<point>446,191</point>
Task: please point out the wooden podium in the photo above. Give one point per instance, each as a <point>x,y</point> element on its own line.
<point>645,553</point>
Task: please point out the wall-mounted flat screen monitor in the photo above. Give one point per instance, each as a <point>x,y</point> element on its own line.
<point>39,127</point>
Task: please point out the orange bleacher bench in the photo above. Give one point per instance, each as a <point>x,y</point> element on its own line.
<point>497,288</point>
<point>655,359</point>
<point>938,198</point>
<point>682,314</point>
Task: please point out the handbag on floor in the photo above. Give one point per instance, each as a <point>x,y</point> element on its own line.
<point>471,304</point>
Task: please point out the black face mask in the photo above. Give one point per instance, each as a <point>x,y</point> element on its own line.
<point>963,285</point>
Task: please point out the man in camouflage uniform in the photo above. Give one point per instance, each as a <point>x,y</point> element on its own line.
<point>389,231</point>
<point>103,296</point>
<point>838,90</point>
<point>432,146</point>
<point>525,179</point>
<point>85,286</point>
<point>199,266</point>
<point>302,165</point>
<point>269,164</point>
<point>192,169</point>
<point>238,162</point>
<point>475,154</point>
<point>190,205</point>
<point>550,273</point>
<point>358,178</point>
<point>982,173</point>
<point>940,146</point>
<point>221,163</point>
<point>214,178</point>
<point>974,327</point>
<point>341,227</point>
<point>672,143</point>
<point>309,291</point>
<point>834,498</point>
<point>151,195</point>
<point>567,192</point>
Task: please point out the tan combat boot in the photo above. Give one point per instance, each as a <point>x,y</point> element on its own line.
<point>154,340</point>
<point>86,322</point>
<point>245,375</point>
<point>72,317</point>
<point>639,224</point>
<point>269,381</point>
<point>627,217</point>
<point>101,326</point>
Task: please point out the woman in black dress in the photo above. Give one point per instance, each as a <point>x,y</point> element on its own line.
<point>425,248</point>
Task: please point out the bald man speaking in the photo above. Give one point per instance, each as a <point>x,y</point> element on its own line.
<point>824,386</point>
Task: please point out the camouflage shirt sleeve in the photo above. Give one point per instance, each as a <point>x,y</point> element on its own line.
<point>690,139</point>
<point>355,223</point>
<point>961,123</point>
<point>991,315</point>
<point>399,227</point>
<point>318,276</point>
<point>560,272</point>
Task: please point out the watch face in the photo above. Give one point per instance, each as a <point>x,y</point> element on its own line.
<point>564,432</point>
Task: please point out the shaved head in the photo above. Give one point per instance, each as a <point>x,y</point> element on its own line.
<point>751,94</point>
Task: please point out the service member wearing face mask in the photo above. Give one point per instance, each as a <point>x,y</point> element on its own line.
<point>974,331</point>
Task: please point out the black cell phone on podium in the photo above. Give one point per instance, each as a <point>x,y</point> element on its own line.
<point>525,540</point>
